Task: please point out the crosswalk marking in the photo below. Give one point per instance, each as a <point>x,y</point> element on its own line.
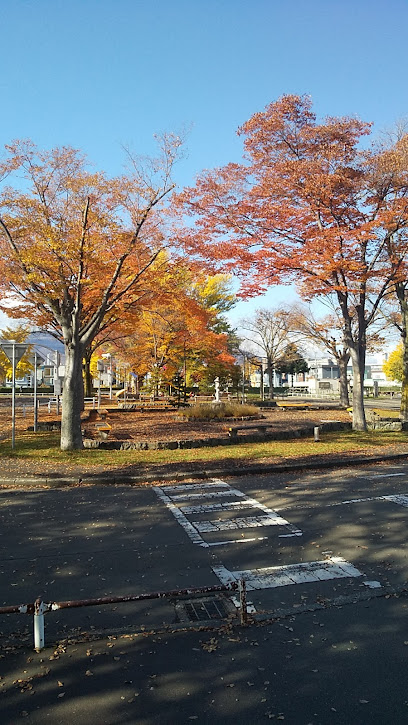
<point>400,500</point>
<point>193,486</point>
<point>184,500</point>
<point>243,523</point>
<point>205,508</point>
<point>281,576</point>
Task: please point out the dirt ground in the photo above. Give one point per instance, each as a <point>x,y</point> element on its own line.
<point>137,426</point>
<point>162,425</point>
<point>166,426</point>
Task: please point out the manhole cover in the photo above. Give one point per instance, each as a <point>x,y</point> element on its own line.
<point>203,609</point>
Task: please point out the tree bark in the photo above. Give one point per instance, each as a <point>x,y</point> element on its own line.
<point>87,374</point>
<point>72,399</point>
<point>403,303</point>
<point>358,359</point>
<point>269,367</point>
<point>342,362</point>
<point>404,382</point>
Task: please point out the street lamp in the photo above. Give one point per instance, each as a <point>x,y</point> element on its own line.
<point>14,351</point>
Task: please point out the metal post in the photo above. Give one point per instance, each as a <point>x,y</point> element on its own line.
<point>316,434</point>
<point>13,398</point>
<point>243,603</point>
<point>243,380</point>
<point>39,638</point>
<point>35,393</point>
<point>99,388</point>
<point>110,377</point>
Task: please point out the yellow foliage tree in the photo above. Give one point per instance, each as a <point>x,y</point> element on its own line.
<point>75,246</point>
<point>24,367</point>
<point>394,366</point>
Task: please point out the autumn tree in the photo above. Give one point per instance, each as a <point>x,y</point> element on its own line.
<point>328,334</point>
<point>155,291</point>
<point>393,367</point>
<point>75,244</point>
<point>389,168</point>
<point>179,328</point>
<point>218,359</point>
<point>304,206</point>
<point>268,332</point>
<point>19,333</point>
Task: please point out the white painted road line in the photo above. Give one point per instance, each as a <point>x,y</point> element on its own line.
<point>194,486</point>
<point>247,522</point>
<point>190,530</point>
<point>280,576</point>
<point>177,499</point>
<point>237,541</point>
<point>208,507</point>
<point>400,500</point>
<point>210,494</point>
<point>384,475</point>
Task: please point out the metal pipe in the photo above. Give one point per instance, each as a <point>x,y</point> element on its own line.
<point>72,604</point>
<point>40,608</point>
<point>35,393</point>
<point>13,397</point>
<point>243,610</point>
<point>110,377</point>
<point>39,638</point>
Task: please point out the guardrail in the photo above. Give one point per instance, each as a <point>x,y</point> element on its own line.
<point>39,608</point>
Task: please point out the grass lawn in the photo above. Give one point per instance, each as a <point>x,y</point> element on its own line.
<point>44,447</point>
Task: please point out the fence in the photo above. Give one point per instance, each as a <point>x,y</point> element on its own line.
<point>39,608</point>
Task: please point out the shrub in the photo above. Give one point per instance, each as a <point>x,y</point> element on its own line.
<point>218,411</point>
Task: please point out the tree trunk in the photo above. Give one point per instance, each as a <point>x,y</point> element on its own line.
<point>88,381</point>
<point>269,368</point>
<point>342,361</point>
<point>72,399</point>
<point>404,382</point>
<point>358,359</point>
<point>401,294</point>
<point>404,387</point>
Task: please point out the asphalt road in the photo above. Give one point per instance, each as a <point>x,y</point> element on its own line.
<point>324,556</point>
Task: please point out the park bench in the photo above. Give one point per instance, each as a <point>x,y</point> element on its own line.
<point>260,427</point>
<point>298,406</point>
<point>103,429</point>
<point>145,407</point>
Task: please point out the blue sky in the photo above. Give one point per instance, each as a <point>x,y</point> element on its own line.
<point>99,74</point>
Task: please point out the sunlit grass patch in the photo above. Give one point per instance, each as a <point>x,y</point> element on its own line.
<point>386,413</point>
<point>44,447</point>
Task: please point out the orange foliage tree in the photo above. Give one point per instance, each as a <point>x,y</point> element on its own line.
<point>180,331</point>
<point>77,245</point>
<point>306,205</point>
<point>390,183</point>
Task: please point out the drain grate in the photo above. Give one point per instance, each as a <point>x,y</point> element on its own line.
<point>204,609</point>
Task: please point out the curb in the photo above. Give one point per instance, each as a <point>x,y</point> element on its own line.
<point>110,478</point>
